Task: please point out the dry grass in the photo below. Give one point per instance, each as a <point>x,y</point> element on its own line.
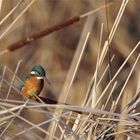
<point>93,66</point>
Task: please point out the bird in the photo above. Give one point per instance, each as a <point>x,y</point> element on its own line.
<point>32,84</point>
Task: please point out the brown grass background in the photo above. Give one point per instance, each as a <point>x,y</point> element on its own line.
<point>55,51</point>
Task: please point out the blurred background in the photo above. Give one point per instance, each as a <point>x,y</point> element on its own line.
<point>55,51</point>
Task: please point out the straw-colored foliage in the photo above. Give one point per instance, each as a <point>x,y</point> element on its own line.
<point>93,65</point>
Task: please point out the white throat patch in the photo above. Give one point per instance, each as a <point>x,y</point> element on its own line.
<point>33,72</point>
<point>38,77</point>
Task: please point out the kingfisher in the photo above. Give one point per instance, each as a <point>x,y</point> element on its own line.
<point>33,83</point>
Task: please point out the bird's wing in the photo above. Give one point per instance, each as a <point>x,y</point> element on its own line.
<point>23,82</point>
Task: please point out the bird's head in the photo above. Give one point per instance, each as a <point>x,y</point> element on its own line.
<point>39,72</point>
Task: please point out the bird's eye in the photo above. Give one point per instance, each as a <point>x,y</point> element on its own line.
<point>39,73</point>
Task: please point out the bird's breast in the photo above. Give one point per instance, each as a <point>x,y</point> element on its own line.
<point>32,86</point>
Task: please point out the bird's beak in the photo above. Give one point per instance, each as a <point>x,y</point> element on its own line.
<point>47,80</point>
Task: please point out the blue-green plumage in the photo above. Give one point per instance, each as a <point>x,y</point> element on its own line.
<point>40,70</point>
<point>32,84</point>
<point>23,82</point>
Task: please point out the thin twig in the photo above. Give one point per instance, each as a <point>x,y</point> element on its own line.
<point>13,78</point>
<point>119,70</point>
<point>0,5</point>
<point>17,18</point>
<point>126,81</point>
<point>2,77</point>
<point>6,17</point>
<point>93,91</point>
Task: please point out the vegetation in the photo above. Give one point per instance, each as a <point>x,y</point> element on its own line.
<point>90,51</point>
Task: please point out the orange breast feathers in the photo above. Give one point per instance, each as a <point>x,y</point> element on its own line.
<point>31,87</point>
